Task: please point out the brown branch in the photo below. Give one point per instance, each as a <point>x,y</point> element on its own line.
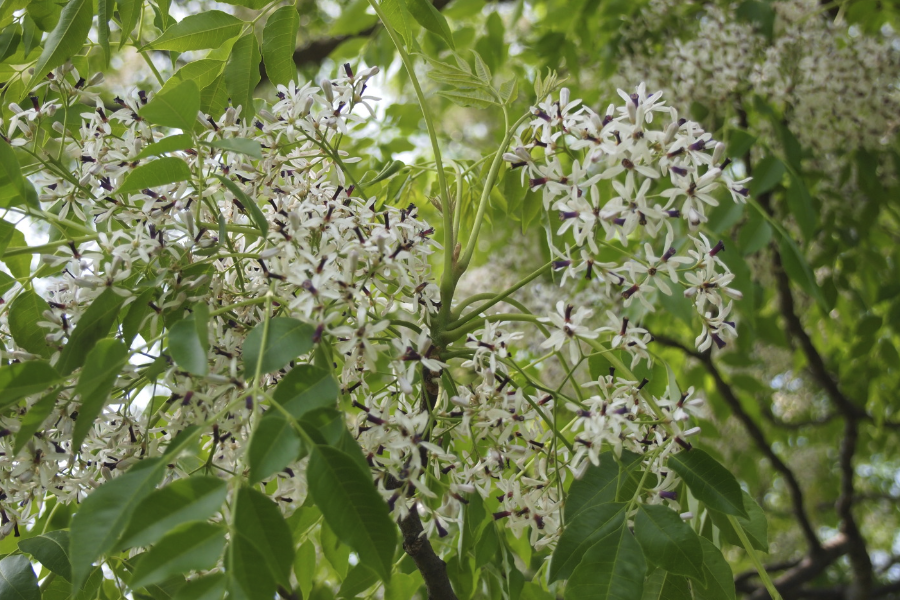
<point>433,569</point>
<point>806,570</point>
<point>759,438</point>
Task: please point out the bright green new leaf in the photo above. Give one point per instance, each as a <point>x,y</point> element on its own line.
<point>306,388</point>
<point>430,18</point>
<point>668,542</point>
<point>163,171</point>
<point>17,579</point>
<point>305,567</point>
<point>104,14</point>
<point>250,148</point>
<point>398,17</point>
<point>202,72</point>
<point>66,39</point>
<point>273,446</point>
<point>586,529</point>
<point>106,511</point>
<point>612,569</point>
<point>12,183</point>
<point>279,42</point>
<point>168,144</point>
<point>101,369</point>
<point>24,314</point>
<point>192,499</point>
<point>209,29</point>
<point>358,580</point>
<point>247,203</point>
<point>352,507</point>
<point>719,578</point>
<point>709,481</point>
<point>177,107</point>
<point>192,547</point>
<point>23,379</point>
<point>242,73</point>
<point>258,523</point>
<point>51,549</point>
<point>285,339</point>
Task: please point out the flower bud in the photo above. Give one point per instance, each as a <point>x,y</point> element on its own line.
<point>328,90</point>
<point>718,153</point>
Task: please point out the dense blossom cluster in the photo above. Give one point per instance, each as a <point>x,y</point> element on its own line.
<point>357,269</point>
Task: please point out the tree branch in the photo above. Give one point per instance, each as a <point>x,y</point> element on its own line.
<point>759,438</point>
<point>433,569</point>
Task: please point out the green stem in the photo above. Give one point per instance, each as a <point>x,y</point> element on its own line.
<point>448,282</point>
<point>754,558</point>
<point>486,194</point>
<point>499,297</point>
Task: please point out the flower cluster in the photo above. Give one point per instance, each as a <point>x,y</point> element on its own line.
<point>356,268</point>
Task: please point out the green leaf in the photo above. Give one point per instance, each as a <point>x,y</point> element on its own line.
<point>389,170</point>
<point>34,419</point>
<point>104,13</point>
<point>668,542</point>
<point>305,567</point>
<point>208,587</point>
<point>719,578</point>
<point>581,533</point>
<point>662,585</point>
<point>509,91</point>
<point>17,579</point>
<point>24,313</point>
<point>103,515</point>
<point>192,547</point>
<point>431,19</point>
<point>285,340</point>
<point>273,446</point>
<point>358,580</point>
<point>470,98</point>
<point>799,271</point>
<point>612,569</point>
<point>800,203</point>
<point>306,388</point>
<point>186,346</point>
<point>19,266</point>
<point>93,326</point>
<point>129,10</point>
<point>6,283</point>
<point>101,369</point>
<point>767,173</point>
<point>163,171</point>
<point>177,107</point>
<point>23,379</point>
<point>12,183</point>
<point>241,145</point>
<point>601,484</point>
<point>51,549</point>
<point>756,527</point>
<point>249,205</point>
<point>248,574</point>
<point>352,507</point>
<point>137,312</point>
<point>214,97</point>
<point>739,143</point>
<point>258,522</point>
<point>209,29</point>
<point>65,40</point>
<point>710,482</point>
<point>755,234</point>
<point>398,17</point>
<point>168,144</point>
<point>202,72</point>
<point>279,42</point>
<point>242,73</point>
<point>191,499</point>
<point>31,35</point>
